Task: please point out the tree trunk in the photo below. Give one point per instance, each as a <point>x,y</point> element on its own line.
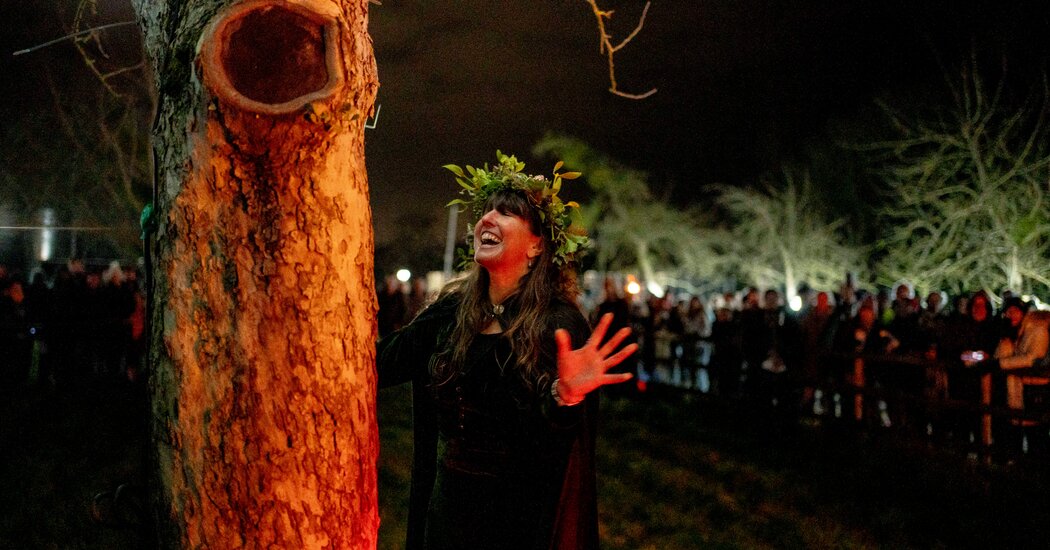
<point>262,294</point>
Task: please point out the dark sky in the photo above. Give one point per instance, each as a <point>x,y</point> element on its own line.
<point>745,86</point>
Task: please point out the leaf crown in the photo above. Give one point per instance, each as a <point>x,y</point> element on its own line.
<point>561,219</point>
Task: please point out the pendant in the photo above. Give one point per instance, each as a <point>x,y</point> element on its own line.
<point>497,309</point>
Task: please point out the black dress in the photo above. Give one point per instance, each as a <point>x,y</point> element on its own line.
<point>495,465</point>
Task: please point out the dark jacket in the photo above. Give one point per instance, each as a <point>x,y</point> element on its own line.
<point>406,356</point>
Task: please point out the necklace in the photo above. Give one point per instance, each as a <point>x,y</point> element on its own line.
<point>502,365</point>
<point>497,310</point>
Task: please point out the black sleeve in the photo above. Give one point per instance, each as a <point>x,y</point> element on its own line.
<point>401,356</point>
<point>568,317</point>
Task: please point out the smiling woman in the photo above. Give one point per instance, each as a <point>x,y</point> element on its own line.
<point>503,406</point>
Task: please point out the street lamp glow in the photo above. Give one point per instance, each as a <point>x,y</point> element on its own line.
<point>47,235</point>
<point>404,275</point>
<point>795,302</point>
<point>633,287</point>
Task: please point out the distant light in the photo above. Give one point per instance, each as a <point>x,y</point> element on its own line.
<point>47,235</point>
<point>633,287</point>
<point>654,289</point>
<point>404,275</point>
<point>795,302</point>
<point>1026,298</point>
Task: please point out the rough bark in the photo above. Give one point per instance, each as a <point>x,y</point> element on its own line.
<point>263,301</point>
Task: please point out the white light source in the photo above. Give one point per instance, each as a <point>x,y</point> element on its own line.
<point>47,235</point>
<point>795,302</point>
<point>404,275</point>
<point>633,287</point>
<point>654,289</point>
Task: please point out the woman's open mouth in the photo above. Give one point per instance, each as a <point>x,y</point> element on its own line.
<point>489,238</point>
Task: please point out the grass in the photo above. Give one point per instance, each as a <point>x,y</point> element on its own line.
<point>679,470</point>
<point>675,470</point>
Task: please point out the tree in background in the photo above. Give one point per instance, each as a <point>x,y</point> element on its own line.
<point>634,230</point>
<point>780,237</point>
<point>969,180</point>
<point>87,156</point>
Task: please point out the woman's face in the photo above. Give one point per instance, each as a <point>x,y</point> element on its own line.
<point>505,241</point>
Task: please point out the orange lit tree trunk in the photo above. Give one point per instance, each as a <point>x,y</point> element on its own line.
<point>263,382</point>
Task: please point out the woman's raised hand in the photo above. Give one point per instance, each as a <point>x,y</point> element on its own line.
<point>583,370</point>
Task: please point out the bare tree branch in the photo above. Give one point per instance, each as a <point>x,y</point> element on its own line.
<point>606,47</point>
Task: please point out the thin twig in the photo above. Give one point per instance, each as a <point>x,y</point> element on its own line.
<point>606,47</point>
<point>73,35</point>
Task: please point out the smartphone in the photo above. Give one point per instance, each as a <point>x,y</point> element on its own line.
<point>973,356</point>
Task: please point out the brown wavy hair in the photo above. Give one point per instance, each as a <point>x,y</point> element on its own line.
<point>528,327</point>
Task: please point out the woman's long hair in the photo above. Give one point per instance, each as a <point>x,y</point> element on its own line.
<point>527,330</point>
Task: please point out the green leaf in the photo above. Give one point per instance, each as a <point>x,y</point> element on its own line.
<point>571,175</point>
<point>465,184</point>
<point>454,169</point>
<point>558,165</point>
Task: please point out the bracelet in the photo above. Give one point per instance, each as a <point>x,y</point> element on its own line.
<point>557,396</point>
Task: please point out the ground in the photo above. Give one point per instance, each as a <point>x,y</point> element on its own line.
<point>677,469</point>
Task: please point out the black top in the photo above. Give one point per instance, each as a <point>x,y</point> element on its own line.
<point>495,465</point>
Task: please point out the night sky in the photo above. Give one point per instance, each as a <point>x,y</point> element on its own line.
<point>745,86</point>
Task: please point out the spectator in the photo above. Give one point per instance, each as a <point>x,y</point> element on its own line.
<point>726,355</point>
<point>754,337</point>
<point>1014,310</point>
<point>864,335</point>
<point>817,331</point>
<point>694,330</point>
<point>1029,350</point>
<point>118,301</point>
<point>393,306</point>
<point>620,308</point>
<point>15,344</point>
<point>904,322</point>
<point>931,322</point>
<point>417,297</point>
<point>974,337</point>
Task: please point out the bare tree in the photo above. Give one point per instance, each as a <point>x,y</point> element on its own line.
<point>969,181</point>
<point>634,230</point>
<point>87,157</point>
<point>780,237</point>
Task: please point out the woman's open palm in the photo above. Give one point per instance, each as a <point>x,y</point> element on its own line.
<point>581,371</point>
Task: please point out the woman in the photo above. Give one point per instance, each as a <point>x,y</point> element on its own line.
<point>504,408</point>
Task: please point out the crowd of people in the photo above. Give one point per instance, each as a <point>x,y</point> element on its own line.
<point>750,345</point>
<point>90,322</point>
<point>78,323</point>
